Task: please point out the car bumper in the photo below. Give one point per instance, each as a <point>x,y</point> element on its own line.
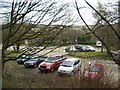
<point>92,78</point>
<point>20,62</point>
<point>44,69</point>
<point>27,65</point>
<point>64,73</point>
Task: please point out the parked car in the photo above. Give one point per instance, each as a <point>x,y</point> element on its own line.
<point>76,48</point>
<point>24,58</point>
<point>51,63</point>
<point>71,49</point>
<point>69,66</point>
<point>85,48</point>
<point>93,71</point>
<point>34,61</point>
<point>90,48</point>
<point>98,43</point>
<point>80,48</point>
<point>117,58</point>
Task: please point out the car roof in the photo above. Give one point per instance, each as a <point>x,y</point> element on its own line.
<point>97,65</point>
<point>71,59</point>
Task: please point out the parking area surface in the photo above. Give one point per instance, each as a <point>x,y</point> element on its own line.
<point>110,67</point>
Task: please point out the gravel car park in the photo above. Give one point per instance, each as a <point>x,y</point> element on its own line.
<point>34,77</point>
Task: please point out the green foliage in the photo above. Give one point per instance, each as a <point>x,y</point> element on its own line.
<point>84,38</point>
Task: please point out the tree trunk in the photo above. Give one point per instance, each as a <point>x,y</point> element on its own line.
<point>17,48</point>
<point>14,48</point>
<point>3,69</point>
<point>3,60</point>
<point>119,25</point>
<point>102,48</point>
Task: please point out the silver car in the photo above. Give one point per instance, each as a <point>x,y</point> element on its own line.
<point>69,66</point>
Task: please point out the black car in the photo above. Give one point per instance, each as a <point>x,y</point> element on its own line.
<point>24,58</point>
<point>34,61</point>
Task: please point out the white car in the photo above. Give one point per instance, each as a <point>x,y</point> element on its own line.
<point>98,44</point>
<point>69,66</point>
<point>90,48</point>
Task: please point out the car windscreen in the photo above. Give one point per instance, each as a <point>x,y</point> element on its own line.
<point>33,59</point>
<point>50,59</point>
<point>42,58</point>
<point>67,64</point>
<point>93,69</point>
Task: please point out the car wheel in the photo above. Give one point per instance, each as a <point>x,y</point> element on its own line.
<point>52,70</point>
<point>60,75</point>
<point>72,73</point>
<point>26,66</point>
<point>35,65</point>
<point>79,68</point>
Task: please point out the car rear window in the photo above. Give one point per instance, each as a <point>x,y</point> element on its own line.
<point>93,69</point>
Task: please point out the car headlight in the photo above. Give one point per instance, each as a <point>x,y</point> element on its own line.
<point>48,67</point>
<point>23,59</point>
<point>18,59</point>
<point>70,71</point>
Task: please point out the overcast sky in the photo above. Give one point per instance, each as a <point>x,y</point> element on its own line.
<point>86,12</point>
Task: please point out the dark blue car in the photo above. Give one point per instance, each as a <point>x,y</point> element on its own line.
<point>34,61</point>
<point>24,58</point>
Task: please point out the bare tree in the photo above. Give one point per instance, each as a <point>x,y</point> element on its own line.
<point>92,30</point>
<point>27,15</point>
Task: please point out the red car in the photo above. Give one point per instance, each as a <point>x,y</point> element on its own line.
<point>51,63</point>
<point>94,71</point>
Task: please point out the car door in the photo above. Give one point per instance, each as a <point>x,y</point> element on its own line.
<point>77,64</point>
<point>39,61</point>
<point>56,63</point>
<point>59,61</point>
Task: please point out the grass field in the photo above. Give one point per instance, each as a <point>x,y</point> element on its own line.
<point>13,53</point>
<point>100,55</point>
